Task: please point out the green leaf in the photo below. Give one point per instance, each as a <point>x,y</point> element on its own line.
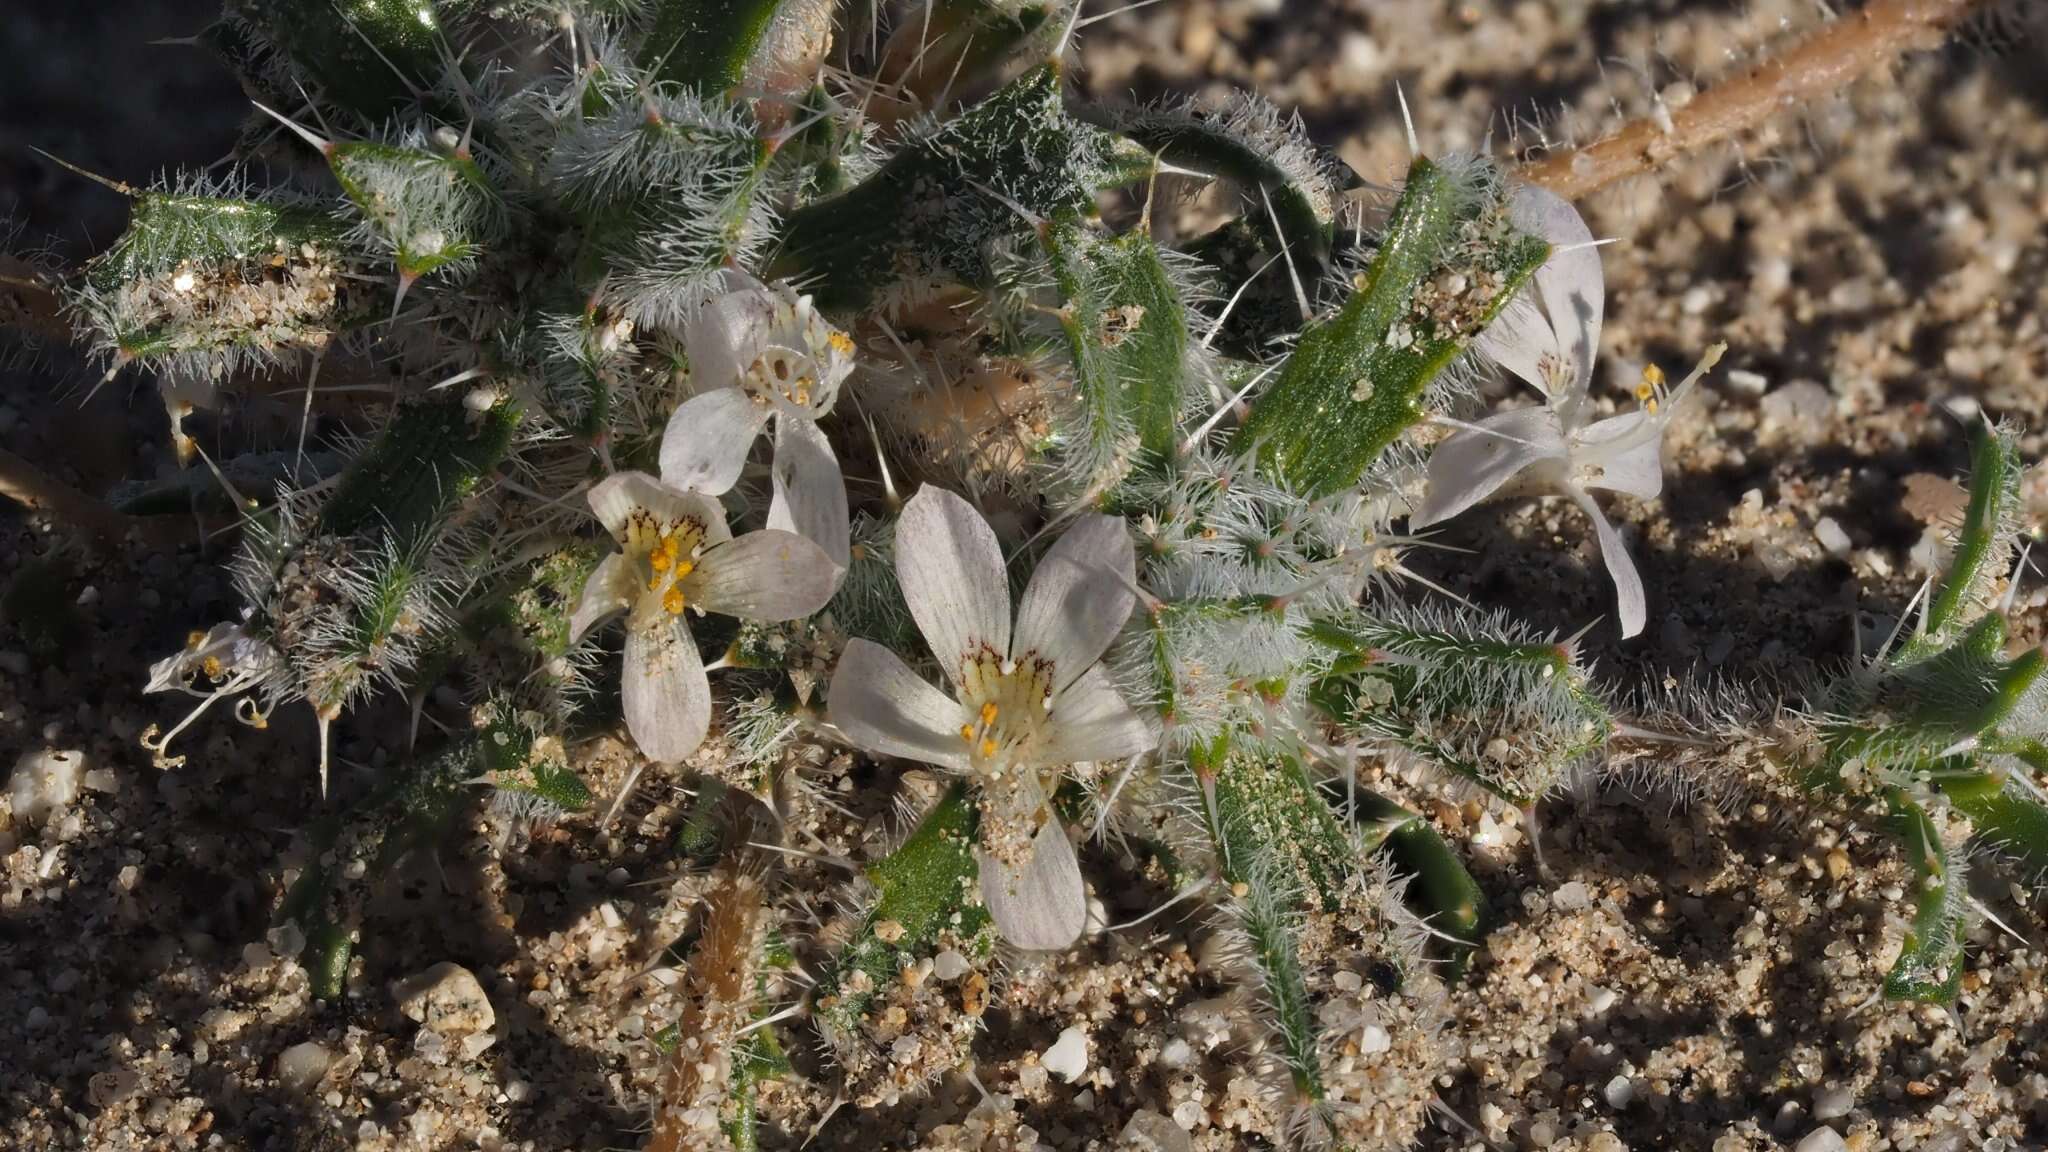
<point>1356,381</point>
<point>1984,544</point>
<point>1247,143</point>
<point>1126,331</point>
<point>929,216</point>
<point>706,44</point>
<point>1266,814</point>
<point>1930,968</point>
<point>929,887</point>
<point>956,44</point>
<point>1468,695</point>
<point>1441,890</point>
<point>353,850</point>
<point>368,56</point>
<point>212,276</point>
<point>432,211</point>
<point>431,456</point>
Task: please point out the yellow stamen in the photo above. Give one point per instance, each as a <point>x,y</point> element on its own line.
<point>841,343</point>
<point>211,666</point>
<point>988,747</point>
<point>663,556</point>
<point>194,639</point>
<point>672,601</point>
<point>967,733</point>
<point>684,568</point>
<point>989,712</point>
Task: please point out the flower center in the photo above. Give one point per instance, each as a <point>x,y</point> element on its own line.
<point>671,550</point>
<point>1007,703</point>
<point>780,372</point>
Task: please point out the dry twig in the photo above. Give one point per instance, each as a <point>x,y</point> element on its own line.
<point>1825,62</point>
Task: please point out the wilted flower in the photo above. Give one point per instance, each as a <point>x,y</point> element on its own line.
<point>1549,339</point>
<point>222,662</point>
<point>676,554</point>
<point>756,354</point>
<point>1025,704</point>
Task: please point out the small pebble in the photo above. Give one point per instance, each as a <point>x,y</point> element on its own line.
<point>109,1088</point>
<point>1749,383</point>
<point>1831,537</point>
<point>1148,1131</point>
<point>447,999</point>
<point>301,1066</point>
<point>1833,1102</point>
<point>1821,1140</point>
<point>1068,1056</point>
<point>1620,1092</point>
<point>45,781</point>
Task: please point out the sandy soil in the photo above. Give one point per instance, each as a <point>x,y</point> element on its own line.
<point>1699,976</point>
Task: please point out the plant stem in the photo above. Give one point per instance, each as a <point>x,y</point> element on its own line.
<point>718,1004</point>
<point>26,484</point>
<point>1826,62</point>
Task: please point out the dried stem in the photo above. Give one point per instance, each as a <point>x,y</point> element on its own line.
<point>1825,62</point>
<point>26,484</point>
<point>29,304</point>
<point>719,997</point>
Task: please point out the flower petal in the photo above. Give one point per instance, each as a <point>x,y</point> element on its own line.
<point>609,589</point>
<point>727,333</point>
<point>1628,583</point>
<point>1091,721</point>
<point>1622,453</point>
<point>1569,294</point>
<point>885,709</point>
<point>666,693</point>
<point>1473,464</point>
<point>1078,598</point>
<point>767,575</point>
<point>810,494</point>
<point>1039,903</point>
<point>615,498</point>
<point>951,571</point>
<point>705,446</point>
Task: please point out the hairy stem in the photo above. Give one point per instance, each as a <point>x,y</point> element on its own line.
<point>1858,43</point>
<point>720,995</point>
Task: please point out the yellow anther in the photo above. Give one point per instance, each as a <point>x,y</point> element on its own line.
<point>211,666</point>
<point>1650,406</point>
<point>684,568</point>
<point>1653,378</point>
<point>989,712</point>
<point>663,555</point>
<point>967,733</point>
<point>672,601</point>
<point>194,639</point>
<point>840,342</point>
<point>988,747</point>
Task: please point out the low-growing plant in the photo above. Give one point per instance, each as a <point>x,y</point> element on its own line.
<point>688,367</point>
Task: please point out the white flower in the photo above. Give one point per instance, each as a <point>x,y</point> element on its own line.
<point>222,662</point>
<point>226,656</point>
<point>759,353</point>
<point>1550,341</point>
<point>676,554</point>
<point>1025,704</point>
